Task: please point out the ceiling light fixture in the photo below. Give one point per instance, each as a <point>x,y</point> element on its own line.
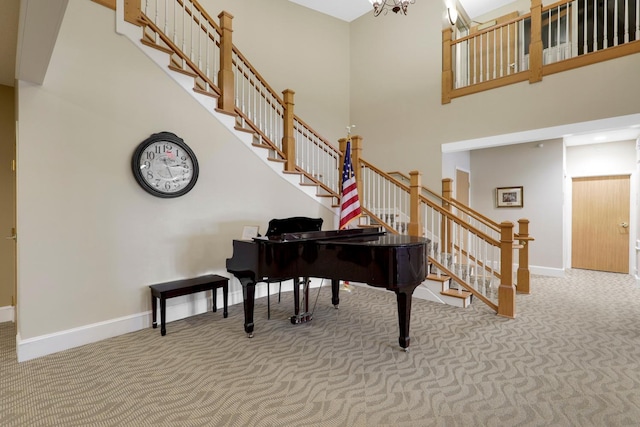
<point>395,6</point>
<point>452,14</point>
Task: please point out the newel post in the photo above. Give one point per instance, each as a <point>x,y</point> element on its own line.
<point>225,75</point>
<point>288,138</point>
<point>535,47</point>
<point>523,257</point>
<point>415,219</point>
<point>447,66</point>
<point>506,291</point>
<point>132,11</point>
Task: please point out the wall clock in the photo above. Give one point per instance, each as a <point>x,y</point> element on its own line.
<point>164,165</point>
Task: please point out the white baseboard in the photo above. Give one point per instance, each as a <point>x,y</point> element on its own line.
<point>7,314</point>
<point>32,348</point>
<point>546,271</point>
<point>177,308</point>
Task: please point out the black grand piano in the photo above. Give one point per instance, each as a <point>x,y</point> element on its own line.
<point>394,262</point>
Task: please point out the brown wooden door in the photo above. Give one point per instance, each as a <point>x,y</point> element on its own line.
<point>7,198</point>
<point>600,223</point>
<point>462,186</point>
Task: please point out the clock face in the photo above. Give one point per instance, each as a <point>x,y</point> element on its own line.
<point>165,166</point>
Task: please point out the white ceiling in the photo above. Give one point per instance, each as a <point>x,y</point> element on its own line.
<point>348,10</point>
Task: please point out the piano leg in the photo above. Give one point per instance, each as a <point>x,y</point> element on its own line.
<point>248,295</point>
<point>296,297</point>
<point>404,316</point>
<point>335,293</point>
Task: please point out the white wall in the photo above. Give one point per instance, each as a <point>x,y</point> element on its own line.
<point>90,239</point>
<point>295,48</point>
<point>539,170</point>
<point>396,94</point>
<point>453,161</point>
<point>610,158</point>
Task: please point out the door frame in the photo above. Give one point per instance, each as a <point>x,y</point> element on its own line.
<point>633,229</point>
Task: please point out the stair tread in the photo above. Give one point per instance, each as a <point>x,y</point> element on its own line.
<point>177,69</point>
<point>206,92</point>
<point>155,45</point>
<point>441,278</point>
<point>456,293</point>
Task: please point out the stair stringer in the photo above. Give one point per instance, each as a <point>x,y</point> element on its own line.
<point>134,34</point>
<point>430,290</point>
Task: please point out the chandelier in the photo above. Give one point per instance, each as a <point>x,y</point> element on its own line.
<point>395,6</point>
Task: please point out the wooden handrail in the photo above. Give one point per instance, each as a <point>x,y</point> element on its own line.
<point>386,175</point>
<point>257,75</point>
<point>327,146</point>
<point>491,29</point>
<point>193,67</point>
<point>556,4</point>
<point>204,13</point>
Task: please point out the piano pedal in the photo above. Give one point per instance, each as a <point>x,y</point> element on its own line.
<point>301,318</point>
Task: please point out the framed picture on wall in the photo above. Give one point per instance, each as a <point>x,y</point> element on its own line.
<point>509,197</point>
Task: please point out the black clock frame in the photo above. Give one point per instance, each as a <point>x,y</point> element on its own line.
<point>174,139</point>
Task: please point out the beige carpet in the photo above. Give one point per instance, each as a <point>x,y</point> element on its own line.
<point>570,358</point>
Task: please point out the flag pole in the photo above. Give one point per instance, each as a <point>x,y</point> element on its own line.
<point>349,201</point>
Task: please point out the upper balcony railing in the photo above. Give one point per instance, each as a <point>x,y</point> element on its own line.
<point>549,39</point>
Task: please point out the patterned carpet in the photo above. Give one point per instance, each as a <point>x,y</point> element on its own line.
<point>570,358</point>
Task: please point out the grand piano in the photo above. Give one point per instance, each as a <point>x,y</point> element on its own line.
<point>395,262</point>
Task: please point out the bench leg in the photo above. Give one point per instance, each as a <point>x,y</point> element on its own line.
<point>225,298</point>
<point>154,310</point>
<point>214,299</point>
<point>163,316</point>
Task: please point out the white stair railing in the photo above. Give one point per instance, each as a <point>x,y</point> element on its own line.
<point>315,156</point>
<point>386,199</point>
<point>190,29</point>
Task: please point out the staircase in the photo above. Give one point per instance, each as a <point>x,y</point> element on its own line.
<point>469,254</point>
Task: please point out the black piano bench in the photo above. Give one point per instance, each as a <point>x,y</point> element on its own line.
<point>178,288</point>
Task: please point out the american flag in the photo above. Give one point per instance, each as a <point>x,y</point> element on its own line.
<point>350,203</point>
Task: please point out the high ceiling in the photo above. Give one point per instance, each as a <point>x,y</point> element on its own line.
<point>348,10</point>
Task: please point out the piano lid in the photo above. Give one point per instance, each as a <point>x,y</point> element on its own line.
<point>321,235</point>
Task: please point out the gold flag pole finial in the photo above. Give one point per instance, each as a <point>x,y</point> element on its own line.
<point>349,130</point>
